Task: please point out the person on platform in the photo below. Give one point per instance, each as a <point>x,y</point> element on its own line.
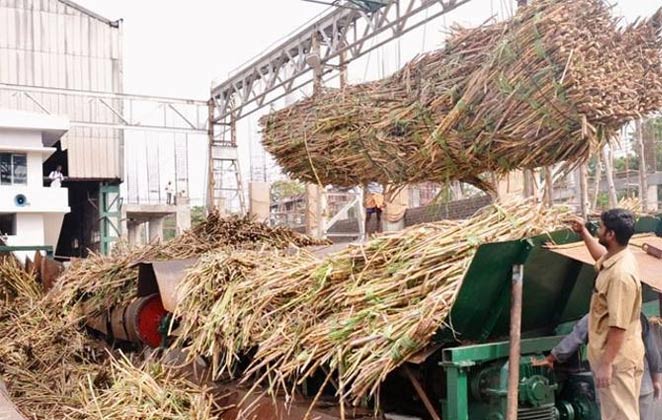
<point>615,345</point>
<point>56,177</point>
<point>374,204</point>
<point>168,191</point>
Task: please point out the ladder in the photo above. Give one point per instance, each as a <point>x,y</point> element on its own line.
<point>226,185</point>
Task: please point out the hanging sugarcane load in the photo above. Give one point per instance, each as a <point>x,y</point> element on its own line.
<point>547,86</point>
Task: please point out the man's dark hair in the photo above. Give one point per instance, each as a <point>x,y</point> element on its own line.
<point>621,222</point>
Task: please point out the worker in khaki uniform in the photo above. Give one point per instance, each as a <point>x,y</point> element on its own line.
<point>374,204</point>
<point>615,347</point>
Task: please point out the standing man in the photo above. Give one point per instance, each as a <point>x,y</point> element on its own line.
<point>168,191</point>
<point>651,382</point>
<point>56,177</point>
<point>615,347</point>
<point>374,204</point>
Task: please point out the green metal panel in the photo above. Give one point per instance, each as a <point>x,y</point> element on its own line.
<point>557,289</point>
<point>46,248</point>
<point>457,403</point>
<point>485,291</point>
<point>649,224</point>
<point>458,361</point>
<point>110,216</point>
<point>480,353</point>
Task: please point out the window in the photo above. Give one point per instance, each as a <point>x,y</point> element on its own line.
<point>8,224</point>
<point>13,169</point>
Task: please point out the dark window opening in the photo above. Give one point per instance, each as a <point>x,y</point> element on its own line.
<point>8,224</point>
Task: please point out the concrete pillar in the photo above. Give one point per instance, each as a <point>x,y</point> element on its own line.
<point>132,232</point>
<point>259,200</point>
<point>511,185</point>
<point>183,218</point>
<point>124,225</point>
<point>393,218</point>
<point>156,229</point>
<point>651,198</point>
<point>313,197</point>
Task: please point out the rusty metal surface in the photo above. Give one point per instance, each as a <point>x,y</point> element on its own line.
<point>652,250</point>
<point>254,407</point>
<point>49,271</point>
<point>423,355</point>
<point>98,323</point>
<point>264,408</point>
<point>649,266</point>
<point>168,275</point>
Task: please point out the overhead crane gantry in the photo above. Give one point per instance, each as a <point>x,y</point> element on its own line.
<point>325,46</point>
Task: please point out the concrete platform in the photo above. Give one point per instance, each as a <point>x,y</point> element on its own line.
<point>153,215</point>
<point>145,212</point>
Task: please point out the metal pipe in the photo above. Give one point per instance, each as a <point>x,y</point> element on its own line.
<point>515,341</point>
<point>210,158</point>
<point>421,394</point>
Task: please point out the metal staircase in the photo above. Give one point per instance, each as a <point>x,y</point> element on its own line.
<point>225,185</point>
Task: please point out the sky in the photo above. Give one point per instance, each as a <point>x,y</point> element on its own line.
<point>179,49</point>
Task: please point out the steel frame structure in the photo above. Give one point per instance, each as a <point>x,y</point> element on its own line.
<point>325,46</point>
<point>131,112</point>
<point>365,5</point>
<point>343,31</point>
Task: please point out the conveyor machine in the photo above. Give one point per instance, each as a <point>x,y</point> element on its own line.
<point>464,373</point>
<point>557,287</point>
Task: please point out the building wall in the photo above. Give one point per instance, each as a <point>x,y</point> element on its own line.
<point>460,209</point>
<point>56,44</point>
<point>31,228</point>
<point>11,137</point>
<point>34,160</point>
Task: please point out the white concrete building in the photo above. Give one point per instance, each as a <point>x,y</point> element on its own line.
<point>31,212</point>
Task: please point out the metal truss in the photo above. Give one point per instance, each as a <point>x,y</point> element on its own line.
<point>342,36</point>
<point>119,110</point>
<point>365,5</point>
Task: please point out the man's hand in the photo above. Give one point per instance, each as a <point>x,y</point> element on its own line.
<point>657,385</point>
<point>547,362</point>
<point>577,224</point>
<point>603,375</point>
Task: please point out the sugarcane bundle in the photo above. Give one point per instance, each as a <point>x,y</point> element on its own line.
<point>92,285</point>
<point>54,370</point>
<point>217,302</point>
<point>359,313</point>
<point>43,358</point>
<point>547,86</point>
<point>238,231</point>
<point>16,282</point>
<point>142,390</point>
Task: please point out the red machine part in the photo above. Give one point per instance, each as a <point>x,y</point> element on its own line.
<point>138,322</point>
<point>144,316</point>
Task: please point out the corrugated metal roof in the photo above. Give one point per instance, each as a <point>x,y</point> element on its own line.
<point>89,12</point>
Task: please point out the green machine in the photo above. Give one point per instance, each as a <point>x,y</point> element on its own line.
<point>474,355</point>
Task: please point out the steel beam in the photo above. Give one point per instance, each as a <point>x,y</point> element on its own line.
<point>343,31</point>
<point>460,356</point>
<point>123,107</point>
